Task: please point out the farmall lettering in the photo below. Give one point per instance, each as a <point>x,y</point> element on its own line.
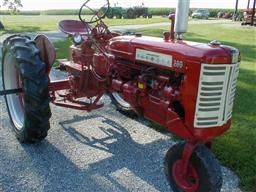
<point>187,87</point>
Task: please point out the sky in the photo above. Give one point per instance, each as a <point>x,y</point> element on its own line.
<point>75,4</point>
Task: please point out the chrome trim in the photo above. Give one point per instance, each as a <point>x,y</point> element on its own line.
<point>127,53</point>
<point>14,102</point>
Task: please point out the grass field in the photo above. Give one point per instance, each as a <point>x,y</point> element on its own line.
<point>237,148</point>
<point>21,23</point>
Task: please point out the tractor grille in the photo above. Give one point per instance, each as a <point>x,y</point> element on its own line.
<point>216,95</point>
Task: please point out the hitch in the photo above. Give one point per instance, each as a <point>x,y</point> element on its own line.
<point>11,91</point>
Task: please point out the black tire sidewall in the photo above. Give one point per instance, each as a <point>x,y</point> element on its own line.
<point>36,120</point>
<point>203,161</point>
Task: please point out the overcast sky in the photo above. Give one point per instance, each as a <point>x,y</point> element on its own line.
<point>75,4</point>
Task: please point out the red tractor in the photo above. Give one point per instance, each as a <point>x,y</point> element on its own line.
<point>187,87</point>
<point>249,18</point>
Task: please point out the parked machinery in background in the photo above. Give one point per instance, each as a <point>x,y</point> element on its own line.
<point>248,14</point>
<point>128,13</point>
<point>201,14</point>
<point>141,11</point>
<point>115,12</point>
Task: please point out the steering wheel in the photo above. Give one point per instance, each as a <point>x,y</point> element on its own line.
<point>97,14</point>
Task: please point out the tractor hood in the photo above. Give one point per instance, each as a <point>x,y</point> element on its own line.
<point>152,49</point>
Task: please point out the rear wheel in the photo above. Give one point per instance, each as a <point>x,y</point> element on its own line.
<point>22,67</point>
<point>119,16</point>
<point>110,16</point>
<point>130,14</point>
<point>204,172</point>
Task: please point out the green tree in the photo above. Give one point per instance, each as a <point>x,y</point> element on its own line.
<point>11,5</point>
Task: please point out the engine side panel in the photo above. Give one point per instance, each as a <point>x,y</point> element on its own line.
<point>182,61</point>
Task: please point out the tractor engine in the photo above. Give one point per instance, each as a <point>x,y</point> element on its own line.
<point>177,84</point>
<point>188,87</point>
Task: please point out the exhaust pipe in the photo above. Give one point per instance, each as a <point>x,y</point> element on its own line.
<point>181,18</point>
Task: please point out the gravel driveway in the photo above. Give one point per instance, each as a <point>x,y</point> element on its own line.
<point>98,151</point>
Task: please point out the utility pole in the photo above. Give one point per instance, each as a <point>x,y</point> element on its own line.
<point>236,6</point>
<point>235,14</point>
<point>248,5</point>
<point>253,13</point>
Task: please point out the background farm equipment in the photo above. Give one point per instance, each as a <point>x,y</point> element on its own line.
<point>249,18</point>
<point>201,14</point>
<point>128,13</point>
<point>116,12</point>
<point>142,11</point>
<point>187,87</point>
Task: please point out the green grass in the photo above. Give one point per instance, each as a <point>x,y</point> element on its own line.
<point>62,48</point>
<point>237,148</point>
<point>21,23</point>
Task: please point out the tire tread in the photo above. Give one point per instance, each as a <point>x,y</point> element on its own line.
<point>35,88</point>
<point>203,156</point>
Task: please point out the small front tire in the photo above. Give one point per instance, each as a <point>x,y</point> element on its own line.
<point>204,172</point>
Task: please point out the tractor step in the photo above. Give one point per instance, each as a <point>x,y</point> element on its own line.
<point>10,91</point>
<point>78,105</point>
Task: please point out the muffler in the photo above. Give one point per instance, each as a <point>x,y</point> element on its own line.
<point>181,18</point>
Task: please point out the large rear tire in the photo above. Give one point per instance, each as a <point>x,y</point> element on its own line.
<point>22,67</point>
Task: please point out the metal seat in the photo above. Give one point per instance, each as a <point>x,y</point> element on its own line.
<point>71,27</point>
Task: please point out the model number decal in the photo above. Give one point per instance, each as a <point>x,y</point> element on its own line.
<point>154,57</point>
<point>178,64</point>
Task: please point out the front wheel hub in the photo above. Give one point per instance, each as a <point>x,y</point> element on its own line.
<point>189,182</point>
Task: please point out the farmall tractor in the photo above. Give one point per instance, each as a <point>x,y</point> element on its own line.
<point>187,87</point>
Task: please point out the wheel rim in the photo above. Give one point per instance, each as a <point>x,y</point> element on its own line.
<point>189,183</point>
<point>118,97</point>
<point>15,101</point>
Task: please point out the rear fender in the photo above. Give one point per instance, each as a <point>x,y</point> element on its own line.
<point>47,51</point>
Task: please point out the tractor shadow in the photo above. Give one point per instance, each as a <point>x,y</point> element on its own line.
<point>55,163</point>
<point>143,162</point>
<point>52,165</point>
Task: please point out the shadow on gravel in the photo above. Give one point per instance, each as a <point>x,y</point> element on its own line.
<point>69,160</point>
<point>140,155</point>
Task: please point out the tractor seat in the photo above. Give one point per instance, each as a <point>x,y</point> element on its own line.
<point>71,27</point>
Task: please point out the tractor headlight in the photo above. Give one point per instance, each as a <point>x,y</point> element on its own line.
<point>77,39</point>
<point>235,56</point>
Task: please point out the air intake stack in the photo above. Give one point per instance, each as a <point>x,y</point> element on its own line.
<point>181,18</point>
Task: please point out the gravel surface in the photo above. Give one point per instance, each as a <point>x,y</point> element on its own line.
<point>98,151</point>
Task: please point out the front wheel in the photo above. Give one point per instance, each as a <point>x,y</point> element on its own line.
<point>204,172</point>
<point>23,68</point>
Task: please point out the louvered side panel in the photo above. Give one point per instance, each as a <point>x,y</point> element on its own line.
<point>215,95</point>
